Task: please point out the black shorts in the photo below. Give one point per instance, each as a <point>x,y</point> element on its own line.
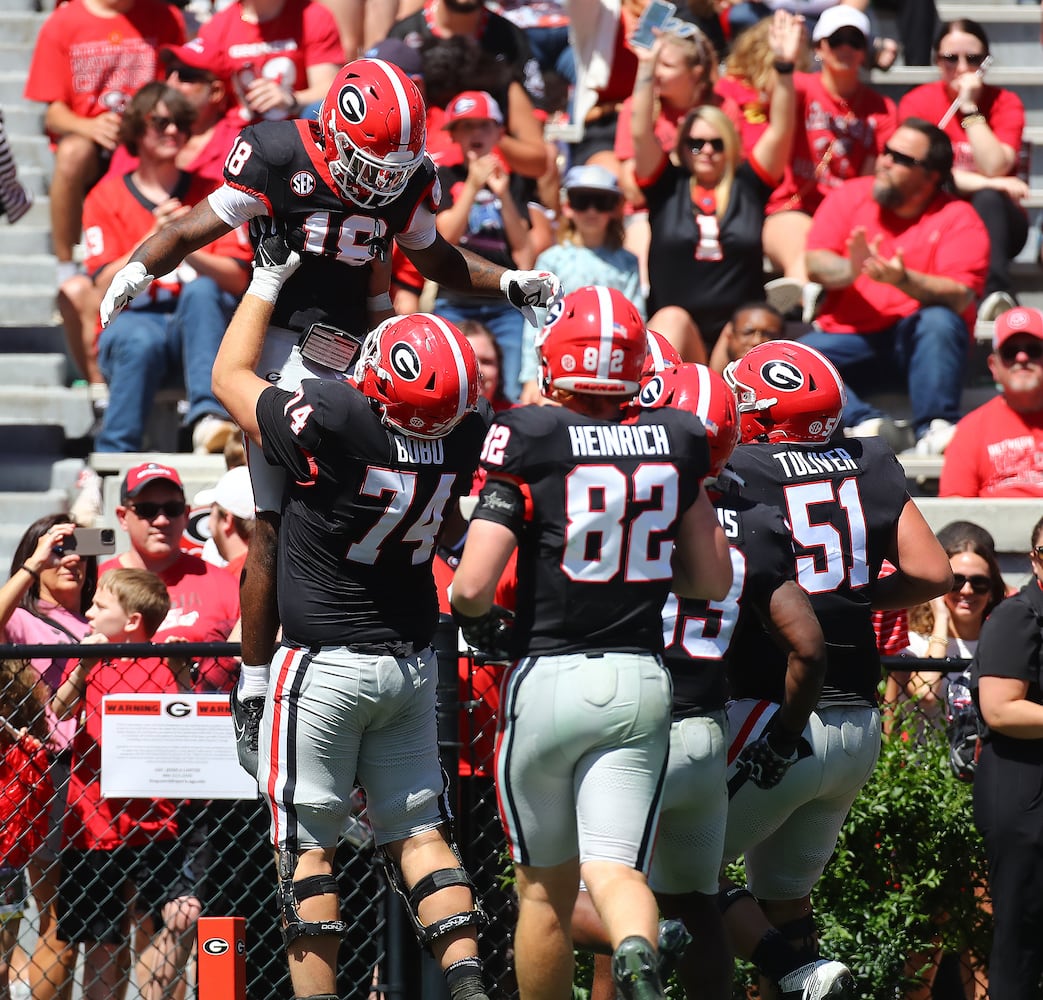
<point>99,888</point>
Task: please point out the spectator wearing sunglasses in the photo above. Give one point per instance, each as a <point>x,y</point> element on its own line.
<point>842,125</point>
<point>984,124</point>
<point>1007,686</point>
<point>172,331</point>
<point>902,262</point>
<point>997,450</point>
<point>204,599</point>
<point>589,251</point>
<point>706,209</point>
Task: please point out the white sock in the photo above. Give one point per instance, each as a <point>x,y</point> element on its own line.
<point>253,681</point>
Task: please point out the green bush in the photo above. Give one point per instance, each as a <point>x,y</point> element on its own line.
<point>903,877</point>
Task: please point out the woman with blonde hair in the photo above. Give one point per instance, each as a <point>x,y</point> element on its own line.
<point>706,203</point>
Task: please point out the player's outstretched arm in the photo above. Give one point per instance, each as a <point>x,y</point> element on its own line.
<point>923,566</point>
<point>161,254</point>
<point>467,273</point>
<point>235,382</point>
<point>702,562</point>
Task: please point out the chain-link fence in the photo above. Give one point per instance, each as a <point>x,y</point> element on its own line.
<point>218,852</point>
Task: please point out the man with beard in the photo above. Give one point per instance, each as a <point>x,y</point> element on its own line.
<point>903,263</point>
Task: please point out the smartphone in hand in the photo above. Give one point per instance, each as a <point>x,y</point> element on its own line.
<point>654,16</point>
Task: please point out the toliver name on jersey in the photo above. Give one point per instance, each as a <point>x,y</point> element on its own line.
<point>617,440</point>
<point>797,464</point>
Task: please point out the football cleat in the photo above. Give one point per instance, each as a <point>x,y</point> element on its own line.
<point>635,970</point>
<point>818,980</point>
<point>246,720</point>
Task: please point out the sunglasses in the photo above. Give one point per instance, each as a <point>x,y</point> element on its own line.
<point>600,202</point>
<point>160,123</point>
<point>904,159</point>
<point>188,74</point>
<point>698,145</point>
<point>953,58</point>
<point>1039,551</point>
<point>149,510</point>
<point>1032,349</point>
<point>979,584</point>
<point>847,36</point>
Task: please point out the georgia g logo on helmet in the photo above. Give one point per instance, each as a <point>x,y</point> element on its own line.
<point>404,361</point>
<point>782,375</point>
<point>652,391</point>
<point>352,104</point>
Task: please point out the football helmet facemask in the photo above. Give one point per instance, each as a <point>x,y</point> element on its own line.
<point>421,372</point>
<point>698,390</point>
<point>373,125</point>
<point>787,393</point>
<point>594,343</point>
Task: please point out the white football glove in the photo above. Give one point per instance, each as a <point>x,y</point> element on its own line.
<point>531,290</point>
<point>129,282</point>
<point>274,262</point>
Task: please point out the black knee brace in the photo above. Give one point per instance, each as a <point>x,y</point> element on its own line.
<point>441,878</point>
<point>727,898</point>
<point>291,893</point>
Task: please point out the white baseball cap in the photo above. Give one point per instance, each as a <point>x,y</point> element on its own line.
<point>232,492</point>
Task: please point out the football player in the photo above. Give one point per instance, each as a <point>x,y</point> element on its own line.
<point>847,509</point>
<point>344,186</point>
<point>373,464</point>
<point>606,508</point>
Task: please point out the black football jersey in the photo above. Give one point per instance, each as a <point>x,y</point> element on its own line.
<point>697,634</point>
<point>364,506</point>
<point>842,504</point>
<point>603,502</point>
<point>282,165</point>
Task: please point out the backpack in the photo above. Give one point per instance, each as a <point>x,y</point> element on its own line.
<point>963,727</point>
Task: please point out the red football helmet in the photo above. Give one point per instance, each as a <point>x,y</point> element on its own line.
<point>373,123</point>
<point>787,392</point>
<point>421,372</point>
<point>661,355</point>
<point>593,342</point>
<point>698,390</point>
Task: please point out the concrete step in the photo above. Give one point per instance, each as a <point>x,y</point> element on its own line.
<point>29,305</point>
<point>197,472</point>
<point>25,118</point>
<point>25,268</point>
<point>1027,81</point>
<point>34,369</point>
<point>12,87</point>
<point>19,29</point>
<point>16,56</point>
<point>31,6</point>
<point>69,409</point>
<point>32,151</point>
<point>31,235</point>
<point>24,508</point>
<point>45,338</point>
<point>38,473</point>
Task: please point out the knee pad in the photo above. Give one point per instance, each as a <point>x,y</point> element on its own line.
<point>291,893</point>
<point>441,878</point>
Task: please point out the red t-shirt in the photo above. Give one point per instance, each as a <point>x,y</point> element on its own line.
<point>95,64</point>
<point>204,607</point>
<point>947,239</point>
<point>995,452</point>
<point>833,141</point>
<point>1002,109</point>
<point>666,124</point>
<point>753,105</point>
<point>116,219</point>
<point>95,823</point>
<point>303,34</point>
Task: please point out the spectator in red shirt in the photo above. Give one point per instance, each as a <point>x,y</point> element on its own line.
<point>997,450</point>
<point>282,56</point>
<point>985,128</point>
<point>176,327</point>
<point>902,262</point>
<point>204,599</point>
<point>91,57</point>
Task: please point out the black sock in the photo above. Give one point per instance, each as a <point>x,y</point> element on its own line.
<point>774,957</point>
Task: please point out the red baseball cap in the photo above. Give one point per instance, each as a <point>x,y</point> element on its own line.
<point>196,54</point>
<point>1019,320</point>
<point>150,472</point>
<point>476,104</point>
